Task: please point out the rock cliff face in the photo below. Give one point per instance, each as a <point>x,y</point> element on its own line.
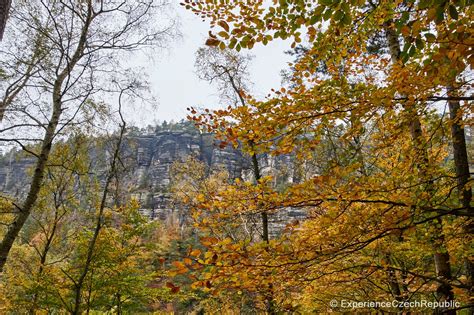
<point>152,153</point>
<point>155,154</point>
<point>15,170</point>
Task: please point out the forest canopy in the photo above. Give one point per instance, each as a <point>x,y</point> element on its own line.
<point>347,186</point>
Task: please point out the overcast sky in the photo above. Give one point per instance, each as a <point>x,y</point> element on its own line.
<point>176,85</point>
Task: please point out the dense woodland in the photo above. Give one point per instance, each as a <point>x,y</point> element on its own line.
<point>376,112</point>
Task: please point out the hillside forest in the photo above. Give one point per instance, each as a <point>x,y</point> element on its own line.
<point>346,189</point>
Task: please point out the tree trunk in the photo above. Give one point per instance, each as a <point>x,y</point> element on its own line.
<point>461,161</point>
<point>270,307</point>
<point>4,10</point>
<point>78,286</point>
<point>15,226</point>
<point>37,181</point>
<point>43,256</point>
<point>461,164</point>
<point>441,256</point>
<point>258,176</point>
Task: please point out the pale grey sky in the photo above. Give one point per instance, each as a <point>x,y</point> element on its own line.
<point>174,81</point>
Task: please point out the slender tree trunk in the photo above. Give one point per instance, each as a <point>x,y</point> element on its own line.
<point>265,236</point>
<point>441,256</point>
<point>256,167</point>
<point>258,176</point>
<point>89,293</point>
<point>461,161</point>
<point>119,304</point>
<point>393,282</point>
<point>4,11</point>
<point>461,164</point>
<point>99,220</point>
<point>15,226</point>
<point>270,307</point>
<point>25,211</point>
<point>43,256</point>
<point>394,285</point>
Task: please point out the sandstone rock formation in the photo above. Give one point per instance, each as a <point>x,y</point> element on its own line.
<point>152,152</point>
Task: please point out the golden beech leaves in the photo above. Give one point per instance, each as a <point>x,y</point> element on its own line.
<point>195,253</point>
<point>370,151</point>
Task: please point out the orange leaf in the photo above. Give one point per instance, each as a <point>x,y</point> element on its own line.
<point>178,264</point>
<point>195,252</point>
<point>224,25</point>
<point>405,30</point>
<point>212,42</point>
<point>207,241</point>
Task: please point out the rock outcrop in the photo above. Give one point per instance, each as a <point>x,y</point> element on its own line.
<point>153,153</point>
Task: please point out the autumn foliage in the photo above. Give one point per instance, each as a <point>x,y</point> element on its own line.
<point>388,198</point>
<point>374,122</point>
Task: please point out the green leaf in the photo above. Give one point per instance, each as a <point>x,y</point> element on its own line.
<point>404,57</point>
<point>406,47</point>
<point>347,20</point>
<point>453,12</point>
<point>244,41</point>
<point>327,14</point>
<point>325,2</point>
<point>430,37</point>
<point>338,15</point>
<point>223,34</point>
<point>425,4</point>
<point>405,17</point>
<point>232,43</point>
<point>419,43</point>
<point>439,16</point>
<point>318,11</point>
<point>345,8</point>
<point>316,16</point>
